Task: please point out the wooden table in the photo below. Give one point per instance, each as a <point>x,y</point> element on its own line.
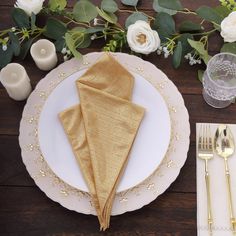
<point>25,210</point>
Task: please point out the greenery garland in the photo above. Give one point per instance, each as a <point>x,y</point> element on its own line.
<point>73,29</point>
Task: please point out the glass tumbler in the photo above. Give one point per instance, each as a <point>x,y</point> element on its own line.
<point>219,80</point>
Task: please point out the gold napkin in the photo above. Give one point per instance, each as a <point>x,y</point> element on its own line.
<point>102,129</point>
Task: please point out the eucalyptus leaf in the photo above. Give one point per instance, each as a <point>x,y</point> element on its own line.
<point>84,11</point>
<point>165,26</point>
<point>55,5</point>
<point>186,48</point>
<point>85,42</point>
<point>25,48</point>
<point>5,56</point>
<point>130,2</point>
<point>71,45</point>
<point>80,37</point>
<point>177,56</point>
<point>15,43</point>
<point>32,22</point>
<point>134,17</point>
<point>59,44</point>
<point>109,6</point>
<point>156,6</point>
<point>199,47</point>
<point>222,11</point>
<point>55,29</point>
<point>94,30</point>
<point>171,4</point>
<point>78,30</point>
<point>189,26</point>
<point>209,14</point>
<point>20,18</point>
<point>200,75</point>
<point>110,17</point>
<point>229,47</point>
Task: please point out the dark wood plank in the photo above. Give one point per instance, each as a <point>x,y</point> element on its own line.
<point>27,211</point>
<point>12,169</point>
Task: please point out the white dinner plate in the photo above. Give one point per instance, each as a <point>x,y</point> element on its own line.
<point>148,150</point>
<point>134,198</point>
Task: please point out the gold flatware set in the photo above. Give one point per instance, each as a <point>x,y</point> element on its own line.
<point>223,145</point>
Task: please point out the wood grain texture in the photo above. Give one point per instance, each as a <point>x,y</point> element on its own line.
<point>34,214</point>
<point>25,210</point>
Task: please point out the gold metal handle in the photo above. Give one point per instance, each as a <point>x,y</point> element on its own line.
<point>232,218</point>
<point>209,211</point>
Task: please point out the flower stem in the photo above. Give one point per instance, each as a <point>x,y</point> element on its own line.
<point>205,33</point>
<point>75,22</point>
<point>187,11</point>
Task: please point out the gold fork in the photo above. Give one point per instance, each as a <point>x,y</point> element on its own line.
<point>205,152</point>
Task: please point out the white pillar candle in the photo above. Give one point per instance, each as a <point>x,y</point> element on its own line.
<point>16,81</point>
<point>44,54</point>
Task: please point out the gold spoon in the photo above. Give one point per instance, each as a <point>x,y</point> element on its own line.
<point>224,147</point>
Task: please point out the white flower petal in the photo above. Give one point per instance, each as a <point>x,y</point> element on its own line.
<point>228,28</point>
<point>30,6</point>
<point>152,40</point>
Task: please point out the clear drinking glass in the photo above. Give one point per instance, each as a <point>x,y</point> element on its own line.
<point>219,80</point>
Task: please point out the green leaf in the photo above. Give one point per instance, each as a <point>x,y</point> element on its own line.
<point>199,47</point>
<point>25,48</point>
<point>55,29</point>
<point>177,57</point>
<point>156,6</point>
<point>20,18</point>
<point>134,17</point>
<point>32,22</point>
<point>5,56</point>
<point>209,14</point>
<point>186,48</point>
<point>171,4</point>
<point>130,2</point>
<point>189,26</point>
<point>71,45</point>
<point>200,75</point>
<point>110,17</point>
<point>84,11</point>
<point>109,6</point>
<point>229,47</point>
<point>94,30</point>
<point>81,37</point>
<point>85,42</point>
<point>59,44</point>
<point>55,5</point>
<point>15,43</point>
<point>222,11</point>
<point>165,25</point>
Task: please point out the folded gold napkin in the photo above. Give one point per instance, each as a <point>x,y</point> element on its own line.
<point>102,129</point>
<point>218,188</point>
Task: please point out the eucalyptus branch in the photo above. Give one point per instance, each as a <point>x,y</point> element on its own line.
<point>204,33</point>
<point>187,11</point>
<point>75,22</point>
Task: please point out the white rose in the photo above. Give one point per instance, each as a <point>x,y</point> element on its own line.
<point>141,38</point>
<point>30,6</point>
<point>228,28</point>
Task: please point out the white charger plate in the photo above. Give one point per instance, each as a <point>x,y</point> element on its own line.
<point>134,198</point>
<point>149,148</point>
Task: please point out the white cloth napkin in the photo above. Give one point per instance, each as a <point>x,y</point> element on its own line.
<point>218,188</point>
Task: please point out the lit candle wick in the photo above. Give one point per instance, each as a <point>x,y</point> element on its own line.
<point>43,51</point>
